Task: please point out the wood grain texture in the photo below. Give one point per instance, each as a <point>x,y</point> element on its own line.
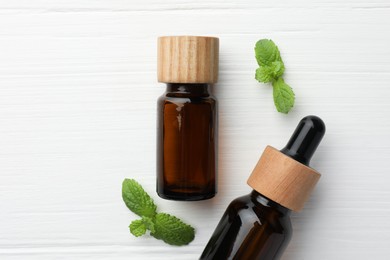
<point>78,90</point>
<point>187,59</point>
<point>283,179</point>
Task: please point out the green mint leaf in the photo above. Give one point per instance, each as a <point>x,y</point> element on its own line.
<point>284,96</point>
<point>137,227</point>
<point>172,230</point>
<point>137,200</point>
<point>269,73</point>
<point>148,222</point>
<point>266,52</point>
<point>263,75</point>
<point>277,69</point>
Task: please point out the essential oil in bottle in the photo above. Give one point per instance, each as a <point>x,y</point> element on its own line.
<point>187,118</point>
<point>257,226</point>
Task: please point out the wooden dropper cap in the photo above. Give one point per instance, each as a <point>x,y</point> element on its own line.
<point>284,176</point>
<point>187,59</point>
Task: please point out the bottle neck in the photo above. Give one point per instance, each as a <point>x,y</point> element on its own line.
<point>264,201</point>
<point>188,89</point>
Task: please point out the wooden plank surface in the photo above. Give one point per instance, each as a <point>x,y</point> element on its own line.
<point>78,97</point>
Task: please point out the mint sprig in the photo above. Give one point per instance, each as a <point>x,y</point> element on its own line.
<point>271,70</point>
<point>162,226</point>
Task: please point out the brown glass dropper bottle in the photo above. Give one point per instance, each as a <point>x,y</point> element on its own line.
<point>257,226</point>
<point>187,118</point>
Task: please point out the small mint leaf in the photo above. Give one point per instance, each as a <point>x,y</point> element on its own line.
<point>284,96</point>
<point>266,52</point>
<point>148,222</point>
<point>270,73</point>
<point>263,75</point>
<point>137,227</point>
<point>277,68</point>
<point>137,200</point>
<point>172,230</point>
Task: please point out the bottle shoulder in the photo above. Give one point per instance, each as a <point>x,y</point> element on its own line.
<point>191,91</point>
<point>206,95</point>
<point>169,99</point>
<point>246,207</point>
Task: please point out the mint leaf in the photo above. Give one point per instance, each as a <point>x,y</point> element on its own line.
<point>148,222</point>
<point>172,230</point>
<point>270,73</point>
<point>277,69</point>
<point>284,96</point>
<point>137,227</point>
<point>136,199</point>
<point>266,52</point>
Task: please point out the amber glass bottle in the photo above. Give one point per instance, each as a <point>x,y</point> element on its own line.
<point>257,226</point>
<point>187,118</point>
<point>253,227</point>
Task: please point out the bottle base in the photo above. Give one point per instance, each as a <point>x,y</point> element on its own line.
<point>185,197</point>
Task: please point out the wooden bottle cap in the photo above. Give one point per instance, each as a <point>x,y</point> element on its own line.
<point>283,179</point>
<point>188,59</point>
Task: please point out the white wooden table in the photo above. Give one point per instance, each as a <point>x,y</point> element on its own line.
<point>78,97</point>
